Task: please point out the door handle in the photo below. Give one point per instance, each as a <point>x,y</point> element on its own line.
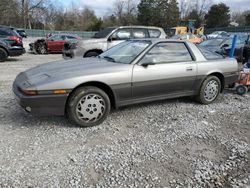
<point>189,68</point>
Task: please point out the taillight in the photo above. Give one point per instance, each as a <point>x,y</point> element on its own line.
<point>18,40</point>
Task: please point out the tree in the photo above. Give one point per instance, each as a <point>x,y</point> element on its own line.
<point>10,13</point>
<point>162,13</point>
<point>28,8</point>
<point>125,11</point>
<point>218,16</point>
<point>247,20</point>
<point>200,6</point>
<point>194,15</point>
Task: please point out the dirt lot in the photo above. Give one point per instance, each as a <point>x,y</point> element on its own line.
<point>172,143</point>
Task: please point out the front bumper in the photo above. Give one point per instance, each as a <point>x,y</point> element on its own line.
<point>41,104</point>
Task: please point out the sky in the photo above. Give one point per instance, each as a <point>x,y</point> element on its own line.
<point>104,7</point>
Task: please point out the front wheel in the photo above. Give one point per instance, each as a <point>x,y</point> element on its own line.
<point>88,106</point>
<point>92,54</point>
<point>210,90</point>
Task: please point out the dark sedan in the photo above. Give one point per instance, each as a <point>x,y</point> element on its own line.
<point>224,45</point>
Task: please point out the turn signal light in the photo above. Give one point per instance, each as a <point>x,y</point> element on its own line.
<point>60,92</point>
<point>30,92</point>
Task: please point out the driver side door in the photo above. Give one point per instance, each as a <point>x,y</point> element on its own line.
<point>171,71</point>
<point>55,43</point>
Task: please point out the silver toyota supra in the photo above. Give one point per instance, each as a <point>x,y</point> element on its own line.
<point>134,71</point>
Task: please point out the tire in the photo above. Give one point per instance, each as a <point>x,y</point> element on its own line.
<point>92,54</point>
<point>241,90</point>
<point>210,90</point>
<point>41,48</point>
<point>88,106</point>
<point>3,55</point>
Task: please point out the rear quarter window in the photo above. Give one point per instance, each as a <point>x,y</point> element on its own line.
<point>154,33</point>
<point>209,55</point>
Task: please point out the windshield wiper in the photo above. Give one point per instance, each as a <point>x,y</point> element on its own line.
<point>109,58</point>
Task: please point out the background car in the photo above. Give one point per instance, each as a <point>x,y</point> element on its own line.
<point>246,52</point>
<point>52,44</point>
<point>10,43</point>
<point>108,38</point>
<point>224,45</point>
<point>22,33</point>
<point>218,34</point>
<point>189,37</point>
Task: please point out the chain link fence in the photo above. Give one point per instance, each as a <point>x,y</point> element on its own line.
<point>229,29</point>
<point>43,33</point>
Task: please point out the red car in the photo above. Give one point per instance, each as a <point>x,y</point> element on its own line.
<point>52,44</point>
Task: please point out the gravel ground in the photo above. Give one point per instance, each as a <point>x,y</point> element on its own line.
<point>172,143</point>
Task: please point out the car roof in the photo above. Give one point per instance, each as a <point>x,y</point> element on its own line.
<point>157,40</point>
<point>137,26</point>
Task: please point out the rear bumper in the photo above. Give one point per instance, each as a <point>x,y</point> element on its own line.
<point>42,104</point>
<point>16,51</point>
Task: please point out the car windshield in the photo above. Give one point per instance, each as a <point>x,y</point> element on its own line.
<point>214,42</point>
<point>125,52</point>
<point>103,33</point>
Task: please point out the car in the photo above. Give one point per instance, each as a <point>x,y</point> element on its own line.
<point>189,37</point>
<point>224,45</point>
<point>53,43</point>
<point>135,71</point>
<point>218,34</point>
<point>108,38</point>
<point>246,51</point>
<point>22,33</point>
<point>10,43</point>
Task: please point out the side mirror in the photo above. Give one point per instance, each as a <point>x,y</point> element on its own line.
<point>146,61</point>
<point>225,45</point>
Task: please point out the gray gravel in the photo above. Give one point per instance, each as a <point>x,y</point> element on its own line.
<point>172,143</point>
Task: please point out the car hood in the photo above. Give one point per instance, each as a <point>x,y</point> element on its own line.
<point>74,68</point>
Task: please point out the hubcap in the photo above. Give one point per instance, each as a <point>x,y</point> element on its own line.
<point>90,108</point>
<point>211,90</point>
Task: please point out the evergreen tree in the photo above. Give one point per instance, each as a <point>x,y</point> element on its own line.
<point>218,16</point>
<point>162,13</point>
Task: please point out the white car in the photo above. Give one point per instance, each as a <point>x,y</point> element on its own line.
<point>218,34</point>
<point>108,38</point>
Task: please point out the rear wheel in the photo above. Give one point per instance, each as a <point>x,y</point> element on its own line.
<point>88,106</point>
<point>92,54</point>
<point>3,55</point>
<point>210,90</point>
<point>241,90</point>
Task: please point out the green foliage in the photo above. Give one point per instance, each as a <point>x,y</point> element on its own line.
<point>162,13</point>
<point>218,16</point>
<point>193,15</point>
<point>247,19</point>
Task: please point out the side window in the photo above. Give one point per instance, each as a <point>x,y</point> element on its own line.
<point>4,33</point>
<point>209,54</point>
<point>154,33</point>
<point>70,37</point>
<point>168,52</point>
<point>56,37</point>
<point>140,33</point>
<point>122,34</point>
